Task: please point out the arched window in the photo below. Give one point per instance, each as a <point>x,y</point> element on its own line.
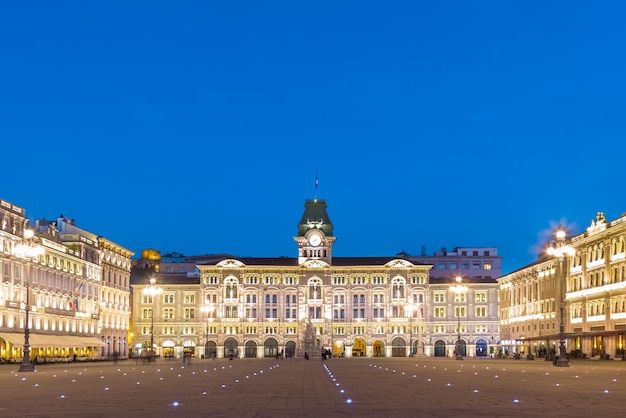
<point>315,289</point>
<point>397,287</point>
<point>230,288</point>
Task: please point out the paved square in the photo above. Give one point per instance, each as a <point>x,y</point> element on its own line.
<point>363,387</point>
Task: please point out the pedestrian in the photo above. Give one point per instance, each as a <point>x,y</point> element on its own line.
<point>306,355</point>
<point>74,357</point>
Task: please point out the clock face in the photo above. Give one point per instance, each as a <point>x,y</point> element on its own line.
<point>315,240</point>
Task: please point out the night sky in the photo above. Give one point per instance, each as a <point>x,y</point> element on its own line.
<point>197,127</point>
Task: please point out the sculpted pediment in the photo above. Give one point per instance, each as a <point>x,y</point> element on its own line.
<point>398,263</point>
<point>230,263</point>
<point>315,264</point>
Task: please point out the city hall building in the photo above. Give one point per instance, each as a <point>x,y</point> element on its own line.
<point>220,305</point>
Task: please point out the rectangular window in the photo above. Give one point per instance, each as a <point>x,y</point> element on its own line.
<point>440,312</point>
<point>168,313</point>
<point>481,311</point>
<point>189,313</point>
<point>453,266</point>
<point>487,266</point>
<point>480,297</point>
<point>460,310</point>
<point>464,266</point>
<point>475,266</point>
<point>442,266</point>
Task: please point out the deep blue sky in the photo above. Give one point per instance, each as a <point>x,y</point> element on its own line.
<point>197,126</point>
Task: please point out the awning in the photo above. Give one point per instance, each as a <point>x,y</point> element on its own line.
<point>91,342</point>
<point>46,340</point>
<point>598,333</point>
<point>13,338</point>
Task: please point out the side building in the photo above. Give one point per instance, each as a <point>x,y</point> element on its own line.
<point>113,312</point>
<point>589,285</point>
<point>355,306</point>
<point>52,277</point>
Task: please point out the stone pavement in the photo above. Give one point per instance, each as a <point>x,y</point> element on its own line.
<point>359,387</point>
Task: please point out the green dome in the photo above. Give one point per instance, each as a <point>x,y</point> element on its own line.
<point>315,217</point>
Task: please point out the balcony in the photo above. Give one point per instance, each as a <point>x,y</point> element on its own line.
<point>63,312</point>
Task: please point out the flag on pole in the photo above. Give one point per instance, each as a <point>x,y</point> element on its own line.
<point>73,297</point>
<point>317,182</point>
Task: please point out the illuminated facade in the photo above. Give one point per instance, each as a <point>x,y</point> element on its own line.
<point>113,312</point>
<point>60,286</point>
<point>594,286</point>
<point>358,306</point>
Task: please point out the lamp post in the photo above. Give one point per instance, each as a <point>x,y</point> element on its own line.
<point>458,289</point>
<point>27,250</point>
<point>208,309</point>
<point>419,332</point>
<point>560,249</point>
<point>414,310</point>
<point>153,291</point>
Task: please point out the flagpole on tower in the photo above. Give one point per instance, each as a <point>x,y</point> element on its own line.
<point>317,182</point>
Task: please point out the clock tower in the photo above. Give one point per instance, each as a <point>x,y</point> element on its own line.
<point>315,233</point>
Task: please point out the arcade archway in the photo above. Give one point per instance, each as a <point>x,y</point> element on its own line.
<point>379,348</point>
<point>231,348</point>
<point>270,348</point>
<point>358,347</point>
<point>250,349</point>
<point>398,347</point>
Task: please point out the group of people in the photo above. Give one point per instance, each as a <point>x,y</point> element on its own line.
<point>147,356</point>
<point>326,354</point>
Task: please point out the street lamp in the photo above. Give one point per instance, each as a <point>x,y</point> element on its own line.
<point>27,250</point>
<point>153,291</point>
<point>414,311</point>
<point>209,310</point>
<point>458,289</point>
<point>560,249</point>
